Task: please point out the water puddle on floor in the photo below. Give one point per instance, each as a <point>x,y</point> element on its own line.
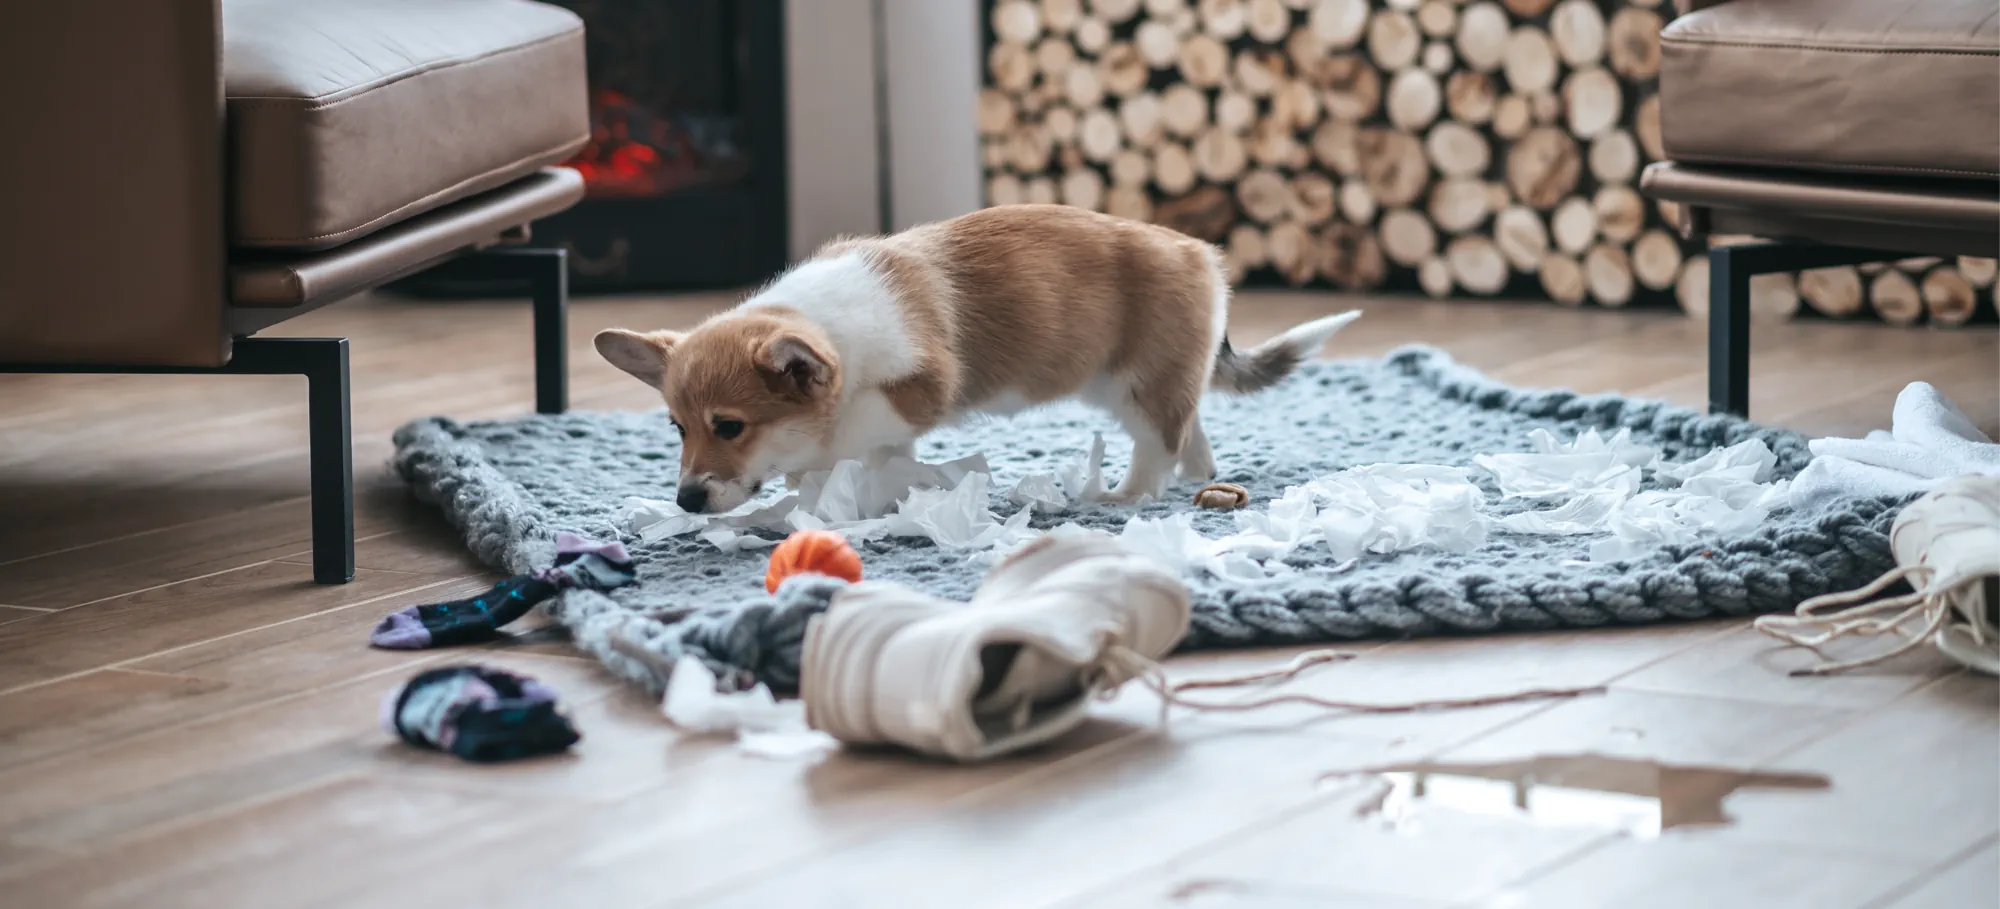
<point>1638,798</point>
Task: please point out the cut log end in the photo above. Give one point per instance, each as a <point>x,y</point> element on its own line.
<point>1949,297</point>
<point>1832,292</point>
<point>1896,298</point>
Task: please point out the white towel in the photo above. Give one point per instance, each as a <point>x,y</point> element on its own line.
<point>1930,440</point>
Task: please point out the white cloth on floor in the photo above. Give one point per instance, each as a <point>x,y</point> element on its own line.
<point>1929,441</point>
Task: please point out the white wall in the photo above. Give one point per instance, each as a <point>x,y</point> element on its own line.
<point>933,68</point>
<point>830,121</point>
<point>932,60</point>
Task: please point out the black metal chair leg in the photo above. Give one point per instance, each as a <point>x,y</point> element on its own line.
<point>546,274</point>
<point>1728,333</point>
<point>551,294</point>
<point>330,437</point>
<point>1730,269</point>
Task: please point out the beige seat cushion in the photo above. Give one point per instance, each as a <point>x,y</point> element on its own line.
<point>1906,87</point>
<point>346,116</point>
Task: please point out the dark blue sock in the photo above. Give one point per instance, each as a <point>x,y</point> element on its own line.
<point>478,713</point>
<point>579,563</point>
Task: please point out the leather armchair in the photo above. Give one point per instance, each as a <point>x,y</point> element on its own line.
<point>179,176</point>
<point>1847,130</point>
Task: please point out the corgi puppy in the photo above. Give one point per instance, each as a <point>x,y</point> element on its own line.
<point>871,343</point>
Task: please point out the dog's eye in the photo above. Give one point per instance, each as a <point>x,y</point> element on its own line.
<point>728,429</point>
<point>678,427</point>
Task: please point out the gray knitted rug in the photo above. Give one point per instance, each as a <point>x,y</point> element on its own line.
<point>512,485</point>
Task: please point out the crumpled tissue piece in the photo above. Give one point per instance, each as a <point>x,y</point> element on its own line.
<point>957,518</point>
<point>1671,517</point>
<point>1727,491</point>
<point>1378,509</point>
<point>1749,461</point>
<point>1587,513</point>
<point>1392,507</point>
<point>1172,541</point>
<point>763,725</point>
<point>1557,470</point>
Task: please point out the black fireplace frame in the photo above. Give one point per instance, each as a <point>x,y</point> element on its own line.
<point>695,238</point>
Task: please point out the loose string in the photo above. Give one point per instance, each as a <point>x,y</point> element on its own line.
<point>1829,617</point>
<point>1120,661</point>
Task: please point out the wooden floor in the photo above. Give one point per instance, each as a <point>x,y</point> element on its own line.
<point>185,720</point>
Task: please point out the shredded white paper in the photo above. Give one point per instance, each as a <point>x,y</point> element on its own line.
<point>1557,470</point>
<point>1590,484</point>
<point>1376,509</point>
<point>1728,491</point>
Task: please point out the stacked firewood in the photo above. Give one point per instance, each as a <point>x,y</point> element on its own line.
<point>1949,291</point>
<point>1466,148</point>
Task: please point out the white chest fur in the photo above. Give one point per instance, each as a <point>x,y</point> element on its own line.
<point>861,316</point>
<point>868,422</point>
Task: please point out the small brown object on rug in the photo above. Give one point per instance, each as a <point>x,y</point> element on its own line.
<point>1222,497</point>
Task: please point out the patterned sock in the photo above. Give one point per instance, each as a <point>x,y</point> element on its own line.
<point>478,713</point>
<point>579,563</point>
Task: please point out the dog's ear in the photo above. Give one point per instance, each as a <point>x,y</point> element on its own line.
<point>793,365</point>
<point>643,355</point>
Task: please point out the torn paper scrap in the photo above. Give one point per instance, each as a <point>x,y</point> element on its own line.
<point>1671,517</point>
<point>1378,509</point>
<point>1749,460</point>
<point>763,726</point>
<point>1392,507</point>
<point>1587,513</point>
<point>1596,482</point>
<point>1558,470</point>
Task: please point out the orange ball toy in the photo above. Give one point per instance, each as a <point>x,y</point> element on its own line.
<point>812,552</point>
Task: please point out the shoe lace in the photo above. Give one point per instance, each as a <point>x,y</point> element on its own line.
<point>1119,663</point>
<point>1823,619</point>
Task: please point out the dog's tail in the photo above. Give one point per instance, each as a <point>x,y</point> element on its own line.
<point>1275,359</point>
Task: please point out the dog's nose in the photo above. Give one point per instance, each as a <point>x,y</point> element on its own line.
<point>693,497</point>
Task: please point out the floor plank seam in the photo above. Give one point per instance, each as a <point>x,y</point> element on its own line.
<point>219,715</point>
<point>150,532</point>
<point>1931,872</point>
<point>1853,717</point>
<point>150,589</point>
<point>1745,700</point>
<point>168,825</point>
<point>119,664</point>
<point>1028,774</point>
<point>416,663</point>
<point>1162,870</point>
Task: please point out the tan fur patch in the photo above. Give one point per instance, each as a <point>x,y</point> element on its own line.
<point>1044,298</point>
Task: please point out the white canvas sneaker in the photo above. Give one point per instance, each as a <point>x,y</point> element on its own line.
<point>1950,542</point>
<point>1054,626</point>
<point>1947,546</point>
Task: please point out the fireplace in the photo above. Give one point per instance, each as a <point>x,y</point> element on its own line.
<point>685,170</point>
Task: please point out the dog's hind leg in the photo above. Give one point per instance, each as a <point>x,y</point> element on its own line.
<point>1159,416</point>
